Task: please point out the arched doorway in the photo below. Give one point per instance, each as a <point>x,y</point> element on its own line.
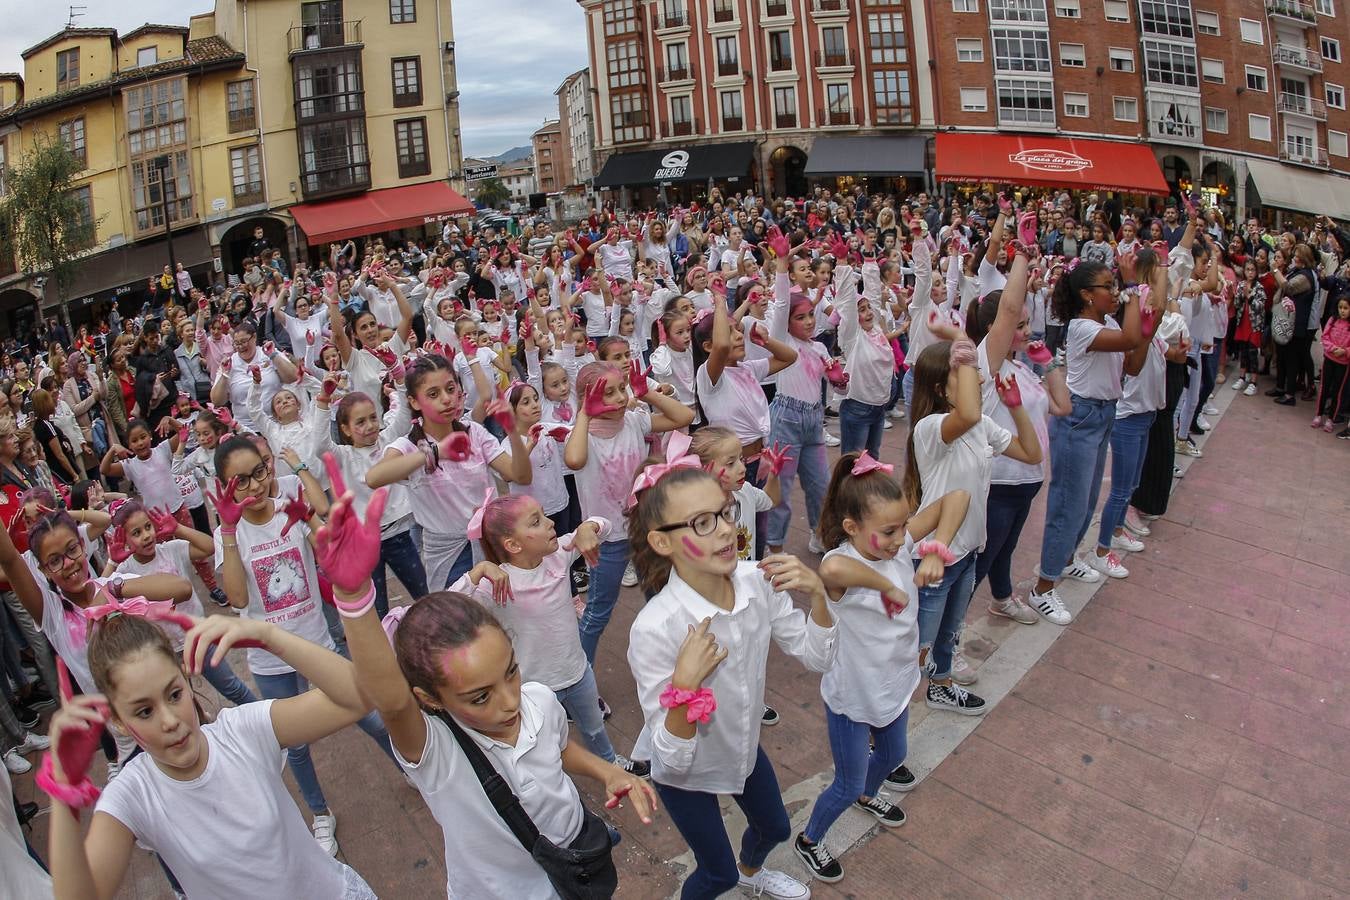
<point>235,241</point>
<point>788,165</point>
<point>18,312</point>
<point>1218,185</point>
<point>1176,170</point>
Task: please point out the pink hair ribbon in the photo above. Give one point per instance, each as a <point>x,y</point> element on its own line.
<point>393,619</point>
<point>701,315</point>
<point>677,457</point>
<point>475,532</point>
<point>135,606</point>
<point>866,463</point>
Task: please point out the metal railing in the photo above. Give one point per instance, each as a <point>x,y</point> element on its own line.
<point>775,8</point>
<point>682,128</point>
<point>1292,9</point>
<point>672,74</point>
<point>829,6</point>
<point>1301,105</point>
<point>1297,153</point>
<point>785,120</point>
<point>728,68</point>
<point>323,35</point>
<point>732,123</point>
<point>834,117</point>
<point>827,60</point>
<point>1301,57</point>
<point>677,19</point>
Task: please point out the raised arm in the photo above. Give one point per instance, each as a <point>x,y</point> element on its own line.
<point>1012,306</point>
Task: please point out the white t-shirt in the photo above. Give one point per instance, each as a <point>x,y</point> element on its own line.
<point>604,483</point>
<point>24,878</point>
<point>876,667</point>
<point>676,369</point>
<point>171,558</point>
<point>737,401</point>
<point>753,500</point>
<point>153,478</point>
<point>189,491</point>
<point>364,371</point>
<point>965,464</point>
<point>444,500</point>
<point>297,328</point>
<point>547,485</point>
<point>482,856</point>
<point>241,380</point>
<point>1092,374</point>
<point>615,259</point>
<point>234,830</point>
<point>1035,400</point>
<point>1147,391</point>
<point>485,356</point>
<point>283,585</point>
<point>597,314</point>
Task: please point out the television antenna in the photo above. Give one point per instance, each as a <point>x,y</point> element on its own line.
<point>70,22</point>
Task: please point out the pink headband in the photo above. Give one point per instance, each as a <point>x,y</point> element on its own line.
<point>677,457</point>
<point>694,270</point>
<point>475,531</point>
<point>865,464</point>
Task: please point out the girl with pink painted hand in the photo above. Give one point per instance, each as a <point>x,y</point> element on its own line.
<point>290,421</point>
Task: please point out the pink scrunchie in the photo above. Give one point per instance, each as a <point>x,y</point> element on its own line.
<point>80,795</point>
<point>941,549</point>
<point>962,353</point>
<point>699,705</point>
<point>393,619</point>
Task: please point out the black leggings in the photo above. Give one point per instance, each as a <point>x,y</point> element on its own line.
<point>1294,360</point>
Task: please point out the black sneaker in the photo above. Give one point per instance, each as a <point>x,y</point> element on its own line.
<point>886,812</point>
<point>219,599</point>
<point>831,413</point>
<point>770,716</point>
<point>636,767</point>
<point>581,582</point>
<point>27,717</point>
<point>1344,434</point>
<point>1274,392</point>
<point>39,699</point>
<point>954,698</point>
<point>902,779</point>
<point>816,858</point>
<point>605,711</point>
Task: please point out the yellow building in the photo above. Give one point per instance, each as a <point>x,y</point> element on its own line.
<point>315,121</point>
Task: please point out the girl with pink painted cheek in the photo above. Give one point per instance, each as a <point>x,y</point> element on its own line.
<point>720,452</point>
<point>672,361</point>
<point>544,441</point>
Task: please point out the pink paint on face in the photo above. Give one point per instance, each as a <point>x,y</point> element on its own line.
<point>693,549</point>
<point>876,544</point>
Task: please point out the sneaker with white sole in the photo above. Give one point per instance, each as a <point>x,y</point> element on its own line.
<point>775,884</point>
<point>1239,384</point>
<point>770,716</point>
<point>1050,607</point>
<point>962,673</point>
<point>1211,409</point>
<point>325,833</point>
<point>822,865</point>
<point>831,440</point>
<point>886,812</point>
<point>1136,524</point>
<point>1203,425</point>
<point>901,779</point>
<point>1079,570</point>
<point>630,578</point>
<point>897,413</point>
<point>32,743</point>
<point>815,546</point>
<point>954,698</point>
<point>635,767</point>
<point>1250,391</point>
<point>1187,448</point>
<point>15,762</point>
<point>1108,565</point>
<point>1178,472</point>
<point>1013,608</point>
<point>1124,541</point>
<point>887,424</point>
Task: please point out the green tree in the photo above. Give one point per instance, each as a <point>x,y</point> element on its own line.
<point>46,224</point>
<point>492,193</point>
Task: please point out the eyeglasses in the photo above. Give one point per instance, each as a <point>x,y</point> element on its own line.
<point>705,523</point>
<point>1109,286</point>
<point>73,553</point>
<point>258,476</point>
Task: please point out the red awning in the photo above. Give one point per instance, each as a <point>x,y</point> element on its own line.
<point>1049,162</point>
<point>388,210</point>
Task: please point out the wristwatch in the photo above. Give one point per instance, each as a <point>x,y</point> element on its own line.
<point>300,468</point>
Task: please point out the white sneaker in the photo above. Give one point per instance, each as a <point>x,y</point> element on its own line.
<point>1211,409</point>
<point>1013,608</point>
<point>815,546</point>
<point>897,413</point>
<point>962,673</point>
<point>1050,606</point>
<point>1239,384</point>
<point>775,884</point>
<point>325,833</point>
<point>887,424</point>
<point>1108,565</point>
<point>16,763</point>
<point>34,742</point>
<point>1124,541</point>
<point>831,440</point>
<point>1136,525</point>
<point>1250,391</point>
<point>630,578</point>
<point>1079,570</point>
<point>1205,425</point>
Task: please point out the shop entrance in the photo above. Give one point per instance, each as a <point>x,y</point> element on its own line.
<point>234,242</point>
<point>787,168</point>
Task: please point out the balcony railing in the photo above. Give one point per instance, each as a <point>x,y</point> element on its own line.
<point>323,35</point>
<point>724,12</point>
<point>1301,105</point>
<point>672,74</point>
<point>825,7</point>
<point>1300,10</point>
<point>672,19</point>
<point>681,128</point>
<point>1298,57</point>
<point>728,68</point>
<point>732,123</point>
<point>780,64</point>
<point>834,116</point>
<point>828,60</point>
<point>337,180</point>
<point>775,8</point>
<point>1308,156</point>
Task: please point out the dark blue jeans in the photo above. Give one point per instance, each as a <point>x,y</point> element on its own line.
<point>1078,445</point>
<point>400,554</point>
<point>1005,514</point>
<point>699,819</point>
<point>1129,441</point>
<point>606,579</point>
<point>942,614</point>
<point>858,769</point>
<point>861,426</point>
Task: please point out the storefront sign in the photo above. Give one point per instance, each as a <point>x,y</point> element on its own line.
<point>673,165</point>
<point>1046,160</point>
<point>478,173</point>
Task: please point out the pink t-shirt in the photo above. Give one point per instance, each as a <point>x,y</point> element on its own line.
<point>443,500</point>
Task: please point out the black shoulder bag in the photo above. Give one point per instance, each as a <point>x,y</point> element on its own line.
<point>583,870</point>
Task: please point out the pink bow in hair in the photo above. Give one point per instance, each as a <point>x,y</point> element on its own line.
<point>393,619</point>
<point>161,610</point>
<point>865,463</point>
<point>677,457</point>
<point>475,532</point>
<point>701,315</point>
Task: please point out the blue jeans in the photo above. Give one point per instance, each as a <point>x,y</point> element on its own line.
<point>292,684</point>
<point>1129,441</point>
<point>858,769</point>
<point>1005,514</point>
<point>226,683</point>
<point>1078,445</point>
<point>801,427</point>
<point>908,382</point>
<point>698,816</point>
<point>582,702</point>
<point>861,426</point>
<point>400,554</point>
<point>461,567</point>
<point>604,593</point>
<point>942,613</point>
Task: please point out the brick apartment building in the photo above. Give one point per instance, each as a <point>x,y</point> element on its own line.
<point>551,165</point>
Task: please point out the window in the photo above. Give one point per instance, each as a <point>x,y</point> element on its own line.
<point>147,183</point>
<point>1216,120</point>
<point>1068,9</point>
<point>1015,11</point>
<point>1021,50</point>
<point>1207,22</point>
<point>1256,79</point>
<point>1326,8</point>
<point>727,56</point>
<point>407,81</point>
<point>156,117</point>
<point>1117,10</point>
<point>724,10</point>
<point>835,46</point>
<point>625,65</point>
<point>1025,101</point>
<point>890,90</point>
<point>239,103</point>
<point>72,138</point>
<point>628,116</point>
<point>1331,50</point>
<point>1169,63</point>
<point>147,56</point>
<point>327,85</point>
<point>673,14</point>
<point>681,114</point>
<point>780,51</point>
<point>246,175</point>
<point>333,156</point>
<point>839,103</point>
<point>410,139</point>
<point>1125,109</point>
<point>1337,145</point>
<point>1072,55</point>
<point>886,38</point>
<point>1122,59</point>
<point>1335,96</point>
<point>677,61</point>
<point>732,119</point>
<point>402,11</point>
<point>68,69</point>
<point>1076,105</point>
<point>84,196</point>
<point>785,107</point>
<point>966,6</point>
<point>1166,18</point>
<point>1212,70</point>
<point>1258,127</point>
<point>1174,118</point>
<point>1250,29</point>
<point>620,17</point>
<point>974,100</point>
<point>969,50</point>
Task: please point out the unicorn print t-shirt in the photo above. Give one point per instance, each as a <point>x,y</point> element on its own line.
<point>283,587</point>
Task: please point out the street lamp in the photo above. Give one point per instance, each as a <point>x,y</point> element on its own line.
<point>163,165</point>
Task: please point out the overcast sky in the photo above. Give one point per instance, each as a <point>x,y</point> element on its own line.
<point>512,54</point>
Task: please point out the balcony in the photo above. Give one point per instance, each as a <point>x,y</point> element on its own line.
<point>672,19</point>
<point>1299,11</point>
<point>780,64</point>
<point>724,12</point>
<point>242,119</point>
<point>785,120</point>
<point>1299,58</point>
<point>1295,152</point>
<point>673,74</point>
<point>301,38</point>
<point>323,183</point>
<point>1302,106</point>
<point>843,59</point>
<point>834,117</point>
<point>728,68</point>
<point>775,9</point>
<point>829,9</point>
<point>732,123</point>
<point>247,194</point>
<point>678,129</point>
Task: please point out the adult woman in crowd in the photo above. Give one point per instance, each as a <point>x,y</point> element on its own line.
<point>61,456</point>
<point>83,391</point>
